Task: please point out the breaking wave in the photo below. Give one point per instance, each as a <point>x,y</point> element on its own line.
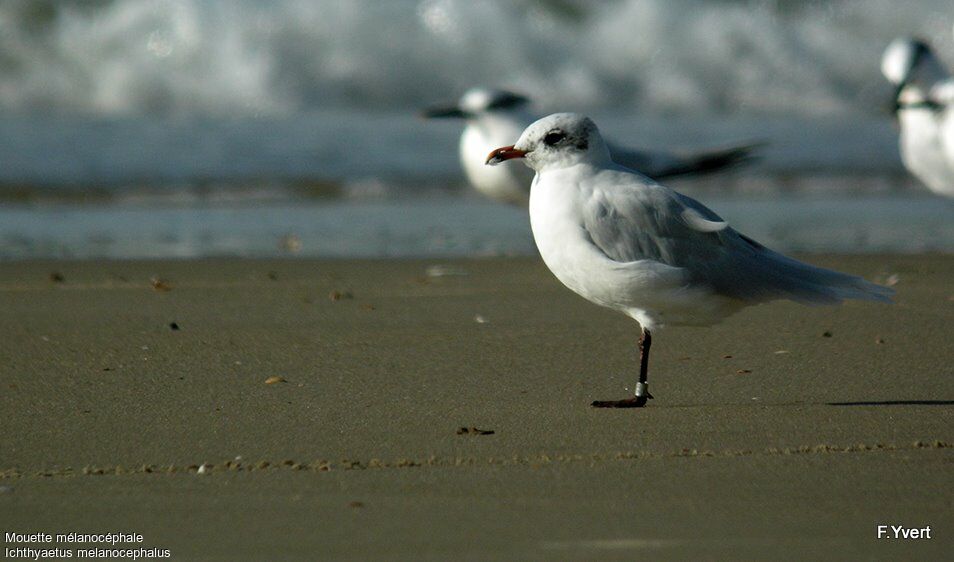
<point>254,57</point>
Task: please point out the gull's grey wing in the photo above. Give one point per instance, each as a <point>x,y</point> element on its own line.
<point>637,220</point>
<point>659,164</point>
<point>633,220</point>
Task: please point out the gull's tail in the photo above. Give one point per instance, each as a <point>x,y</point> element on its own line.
<point>764,274</point>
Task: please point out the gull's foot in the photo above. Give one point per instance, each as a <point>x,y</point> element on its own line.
<point>634,402</point>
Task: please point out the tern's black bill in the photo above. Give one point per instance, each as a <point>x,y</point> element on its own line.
<point>443,112</point>
<point>895,104</point>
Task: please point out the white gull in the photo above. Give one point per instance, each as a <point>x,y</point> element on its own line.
<point>623,241</point>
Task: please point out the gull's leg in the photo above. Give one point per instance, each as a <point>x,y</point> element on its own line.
<point>642,387</point>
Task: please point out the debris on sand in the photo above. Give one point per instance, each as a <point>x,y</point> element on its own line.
<point>174,326</point>
<point>275,380</point>
<point>474,431</point>
<point>160,285</point>
<point>340,295</point>
<point>57,277</point>
<point>445,271</point>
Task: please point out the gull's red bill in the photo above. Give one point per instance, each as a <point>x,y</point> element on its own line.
<point>504,153</point>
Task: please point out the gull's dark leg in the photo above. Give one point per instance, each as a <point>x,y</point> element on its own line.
<point>642,387</point>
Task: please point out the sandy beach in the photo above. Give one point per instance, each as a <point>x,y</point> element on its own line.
<point>321,409</point>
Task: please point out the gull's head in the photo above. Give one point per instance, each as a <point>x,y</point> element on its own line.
<point>557,141</point>
<point>478,101</point>
<point>902,58</point>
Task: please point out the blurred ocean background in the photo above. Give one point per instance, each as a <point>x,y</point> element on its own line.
<point>192,128</point>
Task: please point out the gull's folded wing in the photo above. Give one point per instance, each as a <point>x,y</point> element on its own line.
<point>632,219</point>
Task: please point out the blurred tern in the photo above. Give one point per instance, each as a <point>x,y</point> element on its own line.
<point>621,240</point>
<point>923,104</point>
<point>496,117</point>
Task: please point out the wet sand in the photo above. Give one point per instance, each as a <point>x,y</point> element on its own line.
<point>786,432</point>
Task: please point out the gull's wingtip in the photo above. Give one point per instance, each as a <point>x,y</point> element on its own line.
<point>880,293</point>
<point>863,290</point>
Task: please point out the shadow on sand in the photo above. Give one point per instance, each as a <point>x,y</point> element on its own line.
<point>896,403</point>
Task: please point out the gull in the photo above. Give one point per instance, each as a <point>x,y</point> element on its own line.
<point>923,103</point>
<point>496,117</point>
<point>623,241</point>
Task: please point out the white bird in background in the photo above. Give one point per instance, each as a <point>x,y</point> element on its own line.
<point>621,240</point>
<point>923,103</point>
<point>496,117</point>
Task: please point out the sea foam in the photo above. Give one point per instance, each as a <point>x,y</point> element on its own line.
<point>260,57</point>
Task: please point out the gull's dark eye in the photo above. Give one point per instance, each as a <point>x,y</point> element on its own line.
<point>553,137</point>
